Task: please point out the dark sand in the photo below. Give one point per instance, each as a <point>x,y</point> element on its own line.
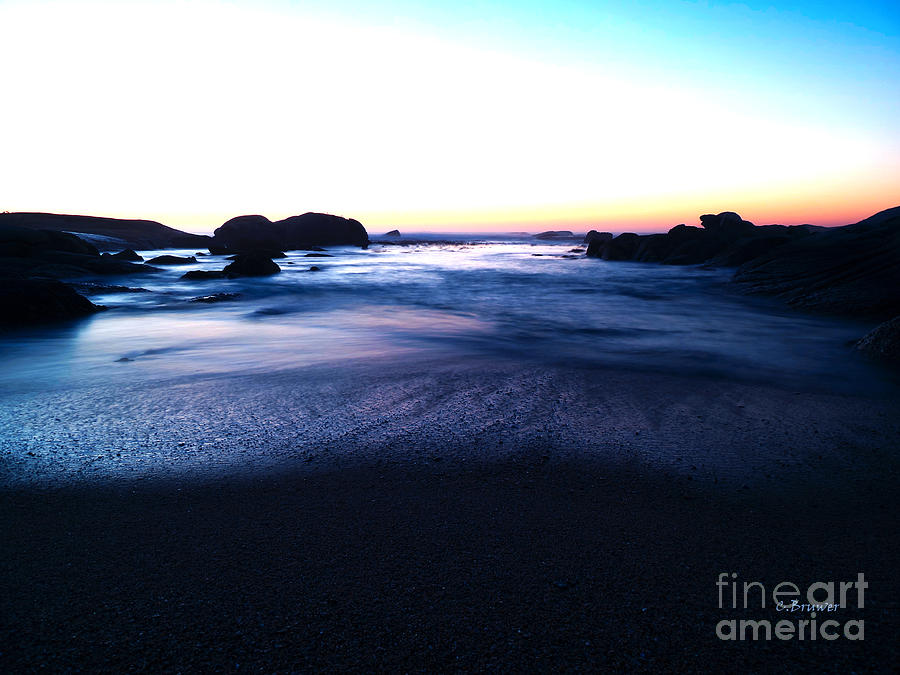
<point>439,517</point>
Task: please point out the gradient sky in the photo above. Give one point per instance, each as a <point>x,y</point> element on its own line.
<point>452,115</point>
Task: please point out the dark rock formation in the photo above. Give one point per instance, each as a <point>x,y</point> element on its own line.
<point>297,232</point>
<point>128,254</point>
<point>171,260</point>
<point>137,234</point>
<point>852,270</point>
<point>26,252</point>
<point>251,266</point>
<point>216,297</point>
<point>884,341</point>
<point>725,239</point>
<point>593,235</point>
<point>727,225</point>
<point>393,233</point>
<point>202,275</point>
<point>30,301</point>
<point>268,253</point>
<point>555,234</point>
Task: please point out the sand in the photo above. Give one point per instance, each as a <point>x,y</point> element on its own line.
<point>429,515</point>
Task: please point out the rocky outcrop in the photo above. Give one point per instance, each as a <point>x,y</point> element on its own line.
<point>135,234</point>
<point>297,232</point>
<point>395,234</point>
<point>251,266</point>
<point>555,234</point>
<point>26,252</point>
<point>32,301</point>
<point>883,342</point>
<point>128,254</point>
<point>724,239</point>
<point>593,235</point>
<point>171,260</point>
<point>203,275</point>
<point>853,270</point>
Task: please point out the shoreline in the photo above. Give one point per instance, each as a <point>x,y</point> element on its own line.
<point>511,565</point>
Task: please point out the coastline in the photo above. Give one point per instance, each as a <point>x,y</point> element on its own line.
<point>425,543</point>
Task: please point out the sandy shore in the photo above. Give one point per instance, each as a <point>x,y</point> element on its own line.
<point>438,516</point>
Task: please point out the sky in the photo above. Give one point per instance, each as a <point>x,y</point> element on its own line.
<point>452,116</point>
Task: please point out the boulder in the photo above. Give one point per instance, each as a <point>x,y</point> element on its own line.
<point>622,247</point>
<point>851,270</point>
<point>393,233</point>
<point>727,225</point>
<point>251,266</point>
<point>216,297</point>
<point>296,232</point>
<point>171,260</point>
<point>593,235</point>
<point>555,234</point>
<point>128,254</point>
<point>202,275</point>
<point>884,341</point>
<point>31,301</point>
<point>112,232</point>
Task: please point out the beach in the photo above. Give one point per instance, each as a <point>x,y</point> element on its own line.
<point>411,466</point>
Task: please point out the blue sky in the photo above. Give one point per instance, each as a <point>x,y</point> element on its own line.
<point>441,115</point>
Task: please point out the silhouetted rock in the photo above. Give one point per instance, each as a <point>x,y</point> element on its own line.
<point>29,301</point>
<point>622,247</point>
<point>315,268</point>
<point>268,253</point>
<point>251,266</point>
<point>216,297</point>
<point>128,254</point>
<point>218,249</point>
<point>727,224</point>
<point>593,235</point>
<point>171,260</point>
<point>393,233</point>
<point>202,275</point>
<point>26,252</point>
<point>296,232</point>
<point>884,341</point>
<point>23,242</point>
<point>136,234</point>
<point>853,269</point>
<point>555,234</point>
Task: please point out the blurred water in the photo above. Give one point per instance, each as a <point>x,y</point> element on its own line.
<point>512,299</point>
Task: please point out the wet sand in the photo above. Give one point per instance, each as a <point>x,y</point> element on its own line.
<point>434,515</point>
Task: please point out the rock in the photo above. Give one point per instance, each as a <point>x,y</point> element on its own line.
<point>884,341</point>
<point>136,234</point>
<point>622,247</point>
<point>251,266</point>
<point>393,233</point>
<point>296,232</point>
<point>593,235</point>
<point>315,268</point>
<point>851,270</point>
<point>46,253</point>
<point>31,301</point>
<point>216,297</point>
<point>268,253</point>
<point>171,260</point>
<point>23,242</point>
<point>218,249</point>
<point>555,234</point>
<point>727,224</point>
<point>318,255</point>
<point>128,254</point>
<point>201,275</point>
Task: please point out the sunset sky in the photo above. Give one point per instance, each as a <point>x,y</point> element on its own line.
<point>452,115</point>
